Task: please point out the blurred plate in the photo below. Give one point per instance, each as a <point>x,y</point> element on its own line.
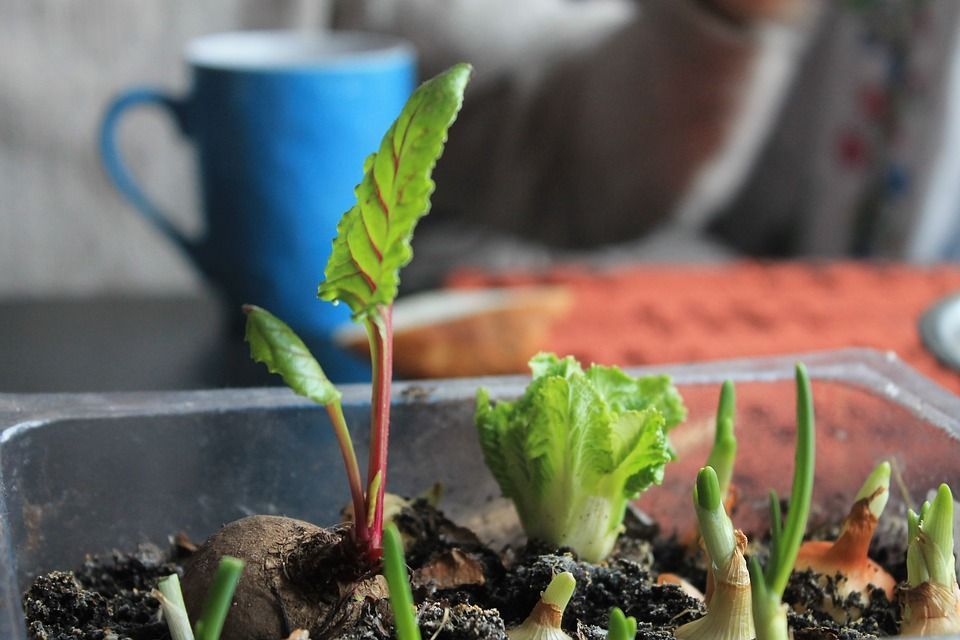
<point>469,332</point>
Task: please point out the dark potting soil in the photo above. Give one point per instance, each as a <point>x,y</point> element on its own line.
<point>103,599</point>
<point>464,591</point>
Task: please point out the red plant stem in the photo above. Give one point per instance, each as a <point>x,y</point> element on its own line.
<point>360,532</point>
<point>380,330</point>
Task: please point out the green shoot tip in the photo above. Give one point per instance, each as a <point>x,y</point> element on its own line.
<point>621,627</point>
<point>708,489</point>
<point>219,598</point>
<point>398,583</point>
<point>876,489</point>
<point>560,590</point>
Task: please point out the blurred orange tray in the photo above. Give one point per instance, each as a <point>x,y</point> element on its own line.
<point>647,314</point>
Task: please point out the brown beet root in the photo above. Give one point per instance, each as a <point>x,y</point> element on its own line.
<point>297,575</point>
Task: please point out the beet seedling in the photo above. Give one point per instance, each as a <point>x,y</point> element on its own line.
<point>372,245</point>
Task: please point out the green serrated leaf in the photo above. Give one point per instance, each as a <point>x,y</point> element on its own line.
<point>589,428</point>
<point>625,393</point>
<point>548,364</point>
<point>641,449</point>
<point>373,237</point>
<point>492,422</point>
<point>275,344</point>
<point>547,407</point>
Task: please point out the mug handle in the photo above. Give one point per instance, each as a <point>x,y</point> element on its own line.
<point>117,170</point>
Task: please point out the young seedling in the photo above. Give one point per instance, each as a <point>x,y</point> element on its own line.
<point>544,622</point>
<point>174,610</point>
<point>372,245</point>
<point>723,454</point>
<point>729,608</point>
<point>846,557</point>
<point>767,586</point>
<point>931,601</point>
<point>621,627</point>
<point>401,598</point>
<point>215,611</point>
<point>576,447</point>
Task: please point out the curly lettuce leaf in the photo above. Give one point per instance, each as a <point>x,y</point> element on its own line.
<point>373,237</point>
<point>571,452</point>
<point>624,392</point>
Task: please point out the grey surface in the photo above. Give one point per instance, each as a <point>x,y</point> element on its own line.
<point>91,472</point>
<point>123,344</point>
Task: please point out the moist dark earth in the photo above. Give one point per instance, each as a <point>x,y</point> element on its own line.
<point>463,589</point>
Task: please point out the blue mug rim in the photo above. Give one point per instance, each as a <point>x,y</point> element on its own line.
<point>288,50</point>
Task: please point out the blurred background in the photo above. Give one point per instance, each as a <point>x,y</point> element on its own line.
<point>654,180</point>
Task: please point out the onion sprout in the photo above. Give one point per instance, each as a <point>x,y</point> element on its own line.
<point>219,598</point>
<point>724,450</point>
<point>215,609</point>
<point>769,613</point>
<point>847,555</point>
<point>729,608</point>
<point>174,610</point>
<point>543,623</point>
<point>401,598</point>
<point>931,601</point>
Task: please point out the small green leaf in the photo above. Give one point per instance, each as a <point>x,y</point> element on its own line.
<point>373,237</point>
<point>275,344</point>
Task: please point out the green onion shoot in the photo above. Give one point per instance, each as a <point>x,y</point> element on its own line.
<point>724,450</point>
<point>217,606</point>
<point>174,610</point>
<point>219,597</point>
<point>621,627</point>
<point>768,585</point>
<point>729,608</point>
<point>544,622</point>
<point>931,601</point>
<point>401,598</point>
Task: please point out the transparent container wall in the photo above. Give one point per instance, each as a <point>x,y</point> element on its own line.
<point>91,473</point>
<point>855,430</point>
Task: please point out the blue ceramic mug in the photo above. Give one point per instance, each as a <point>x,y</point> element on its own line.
<point>281,123</point>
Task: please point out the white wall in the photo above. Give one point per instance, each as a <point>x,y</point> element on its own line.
<point>63,229</point>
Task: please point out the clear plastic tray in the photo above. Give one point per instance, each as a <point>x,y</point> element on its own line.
<point>94,472</point>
